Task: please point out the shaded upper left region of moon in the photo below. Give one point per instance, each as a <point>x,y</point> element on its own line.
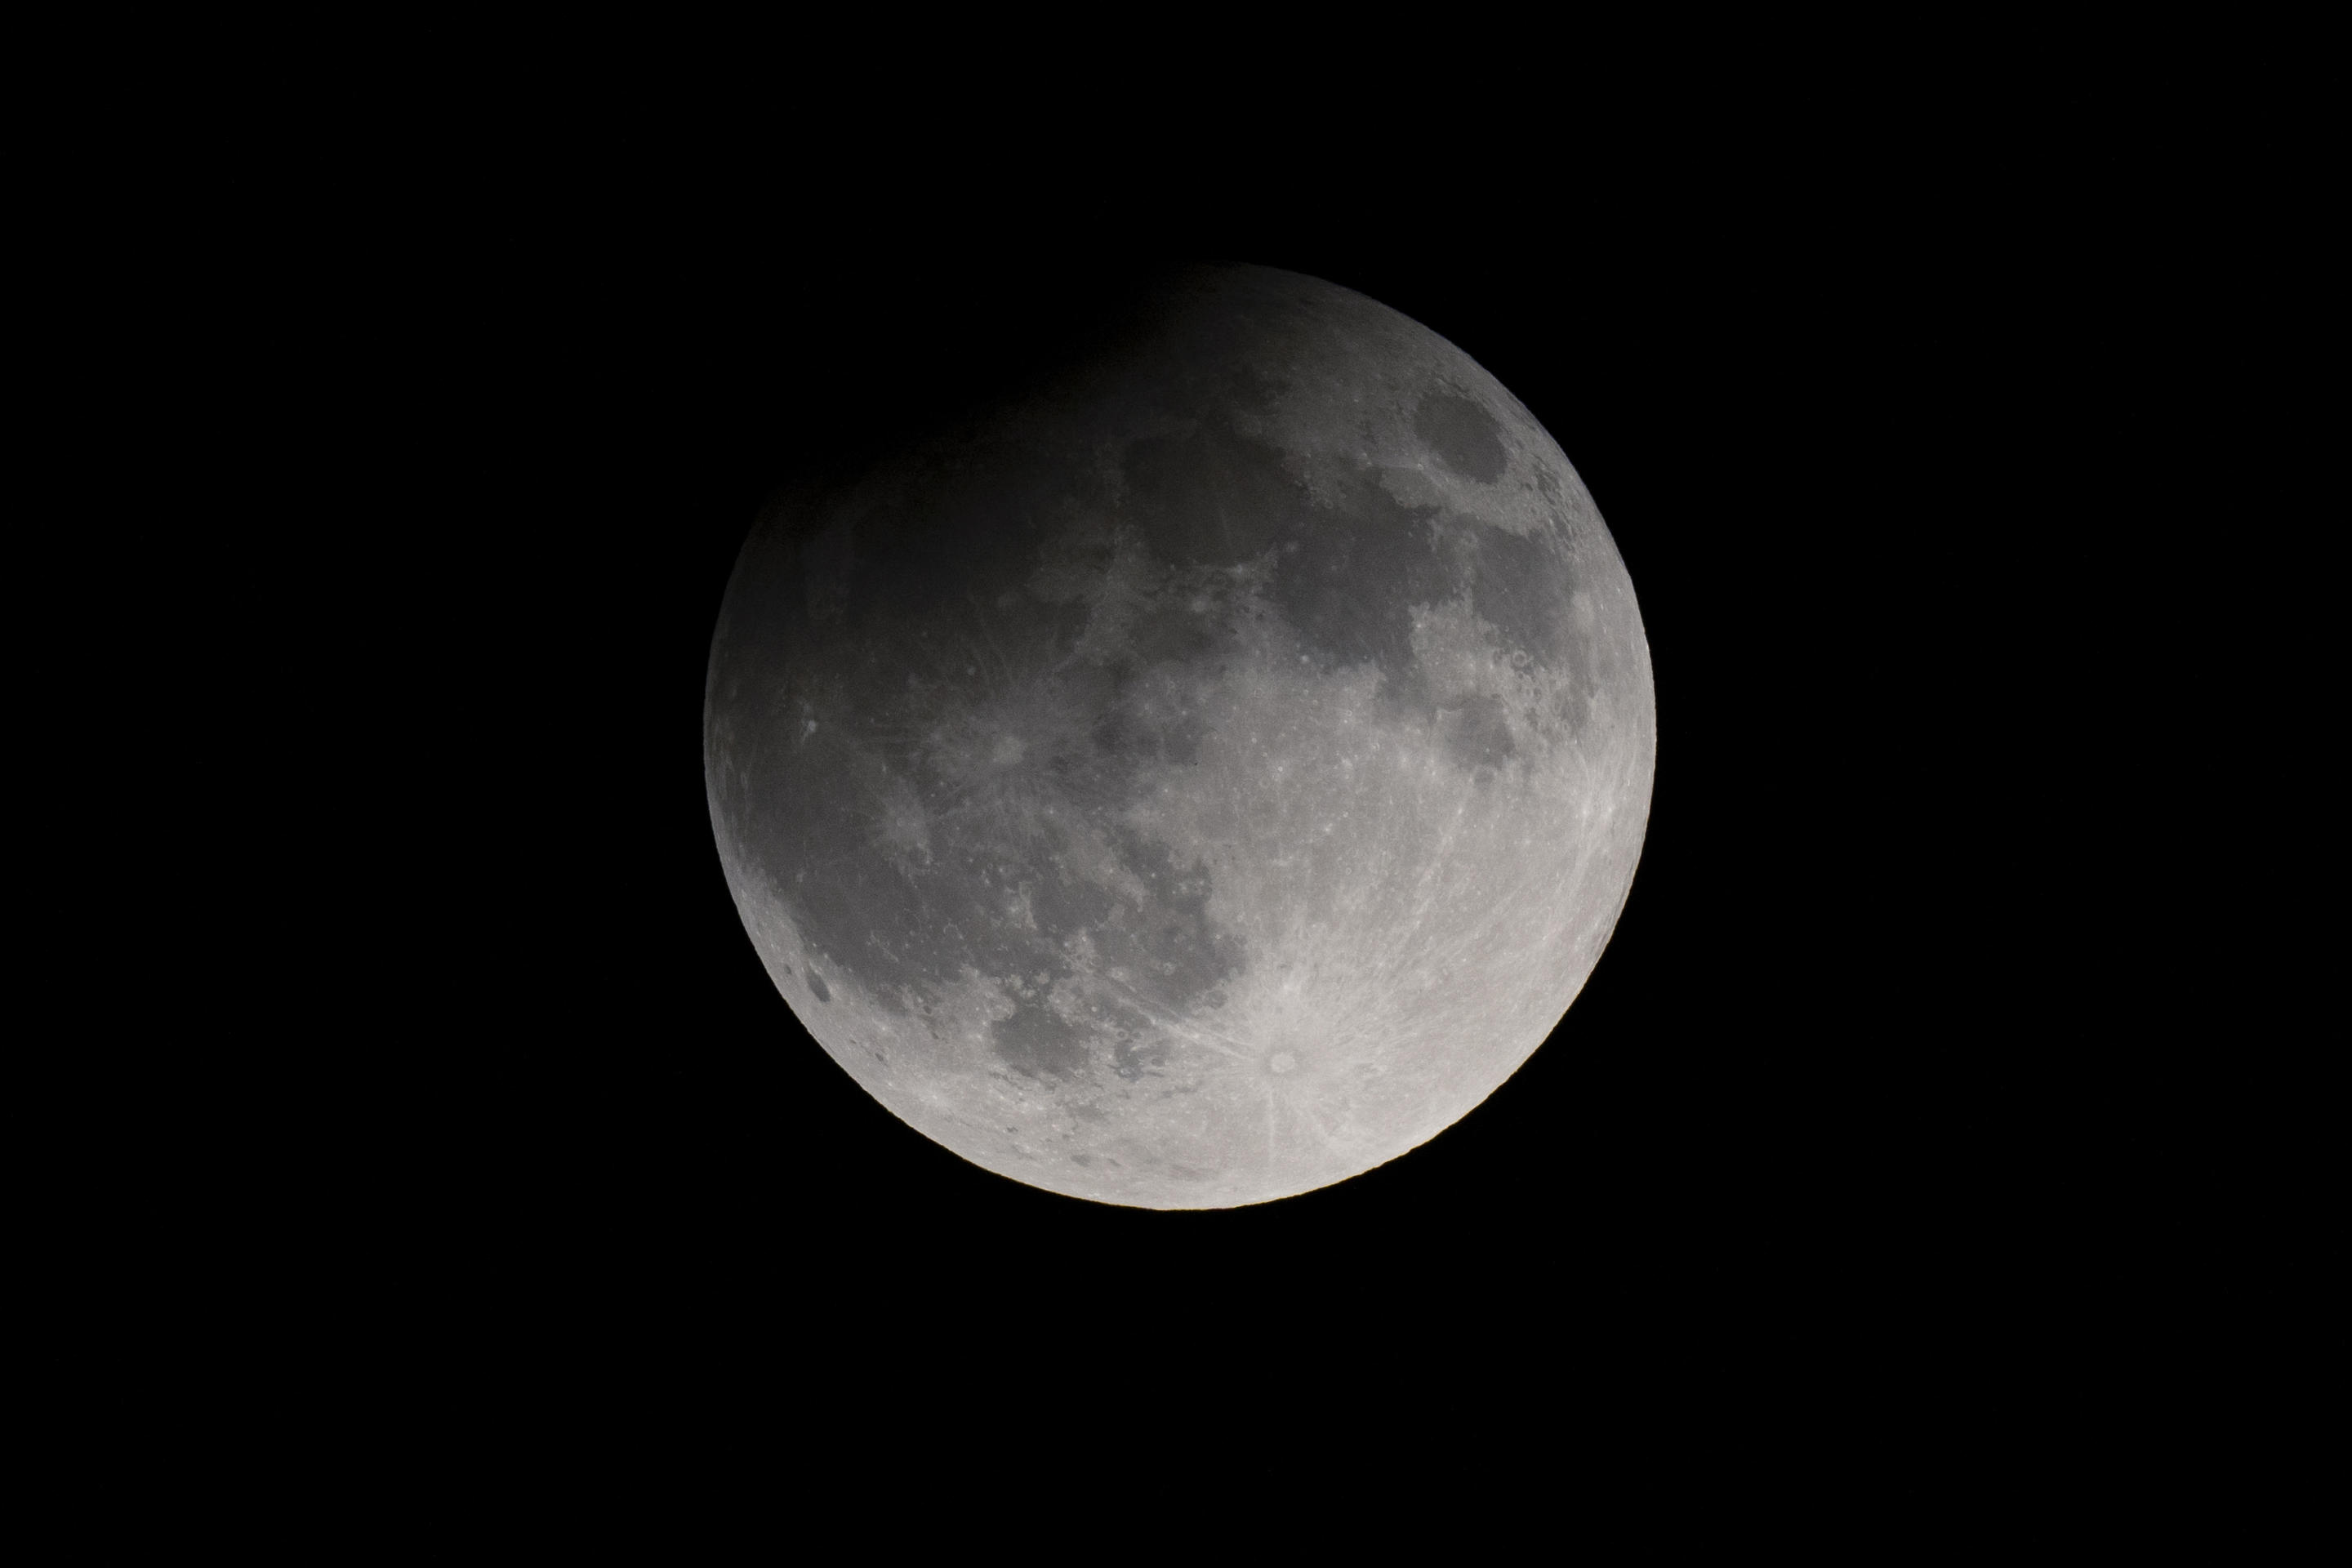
<point>1198,779</point>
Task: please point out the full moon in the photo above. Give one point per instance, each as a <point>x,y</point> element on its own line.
<point>1201,776</point>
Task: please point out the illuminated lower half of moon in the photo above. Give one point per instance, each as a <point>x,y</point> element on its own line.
<point>1200,781</point>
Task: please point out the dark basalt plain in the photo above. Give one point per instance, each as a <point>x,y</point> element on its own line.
<point>1204,775</point>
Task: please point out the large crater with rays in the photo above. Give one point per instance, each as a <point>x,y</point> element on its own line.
<point>1204,775</point>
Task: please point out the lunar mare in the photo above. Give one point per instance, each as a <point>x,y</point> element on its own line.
<point>1201,778</point>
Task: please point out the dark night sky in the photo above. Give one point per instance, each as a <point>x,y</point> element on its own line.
<point>1803,1130</point>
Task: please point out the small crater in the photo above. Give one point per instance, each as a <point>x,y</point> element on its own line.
<point>1281,1061</point>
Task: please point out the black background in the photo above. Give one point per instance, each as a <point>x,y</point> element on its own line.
<point>1806,1153</point>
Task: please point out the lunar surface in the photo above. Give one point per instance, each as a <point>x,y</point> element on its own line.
<point>1200,777</point>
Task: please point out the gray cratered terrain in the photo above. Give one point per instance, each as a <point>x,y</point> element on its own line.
<point>1202,777</point>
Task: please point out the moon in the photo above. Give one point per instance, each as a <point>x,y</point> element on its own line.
<point>1201,776</point>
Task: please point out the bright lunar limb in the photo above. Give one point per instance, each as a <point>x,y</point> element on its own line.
<point>1198,779</point>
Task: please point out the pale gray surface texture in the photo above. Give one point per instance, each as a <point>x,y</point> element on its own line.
<point>1201,778</point>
